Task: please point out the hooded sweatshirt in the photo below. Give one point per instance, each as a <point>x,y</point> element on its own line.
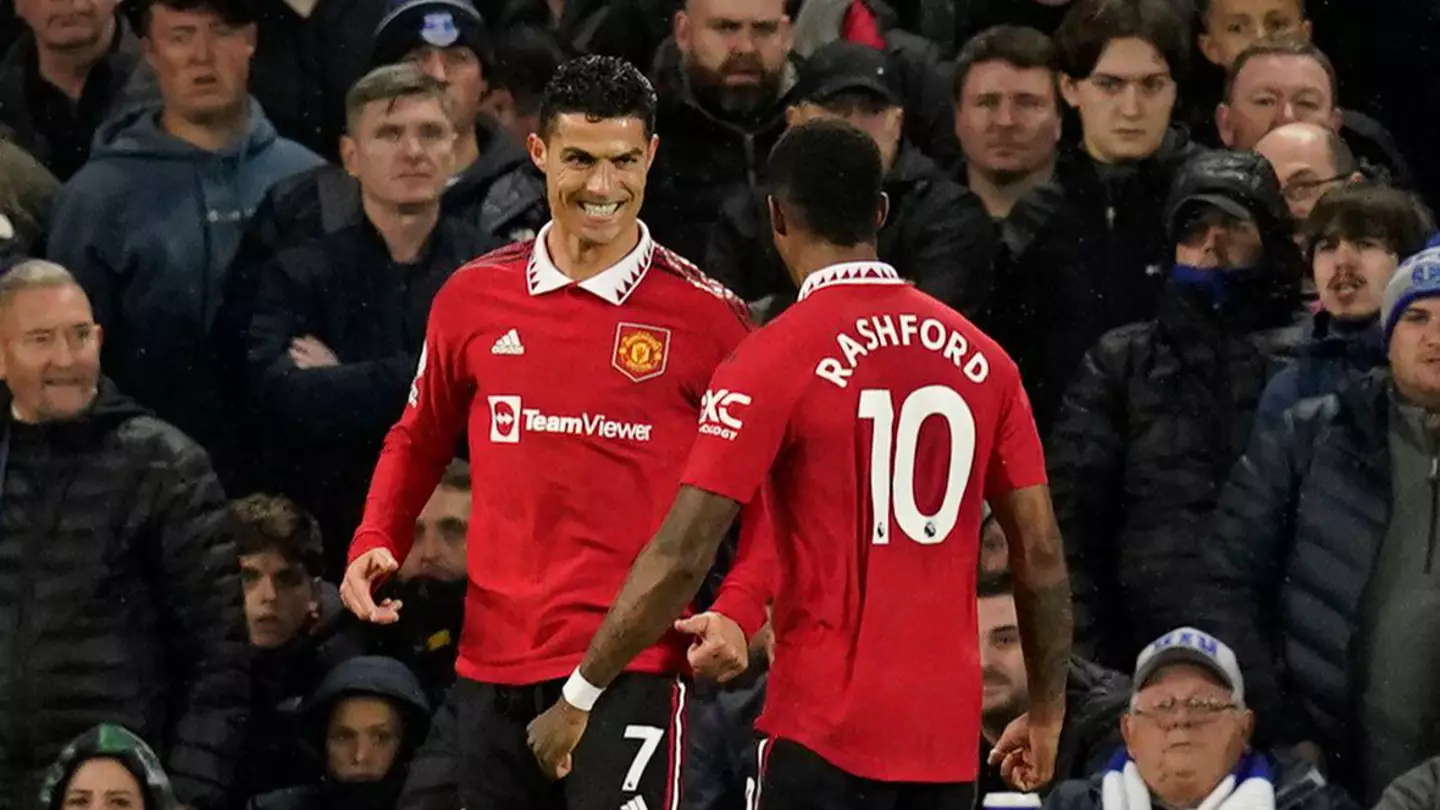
<point>149,227</point>
<point>113,742</point>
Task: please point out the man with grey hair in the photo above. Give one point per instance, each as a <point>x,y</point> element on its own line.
<point>117,566</point>
<point>339,321</point>
<point>1309,160</point>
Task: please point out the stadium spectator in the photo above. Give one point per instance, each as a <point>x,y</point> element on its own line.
<point>525,59</point>
<point>150,224</point>
<point>1188,742</point>
<point>27,192</point>
<point>75,66</point>
<point>1275,83</point>
<point>1161,409</point>
<point>103,768</point>
<point>936,232</point>
<point>339,321</point>
<point>1309,160</point>
<point>1355,238</point>
<point>628,29</point>
<point>722,107</point>
<point>118,565</point>
<point>1417,789</point>
<point>1322,544</point>
<point>365,722</point>
<point>1095,697</point>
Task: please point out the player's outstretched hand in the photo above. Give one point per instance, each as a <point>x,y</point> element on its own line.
<point>554,735</point>
<point>361,578</point>
<point>718,651</point>
<point>1026,751</point>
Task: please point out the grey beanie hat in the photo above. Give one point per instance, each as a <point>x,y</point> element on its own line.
<point>1417,277</point>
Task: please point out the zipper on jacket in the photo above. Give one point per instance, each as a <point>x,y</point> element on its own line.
<point>1434,509</point>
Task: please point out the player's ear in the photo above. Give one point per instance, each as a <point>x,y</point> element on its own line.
<point>650,153</point>
<point>882,211</point>
<point>777,216</point>
<point>536,147</point>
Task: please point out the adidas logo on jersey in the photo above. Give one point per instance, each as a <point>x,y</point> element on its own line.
<point>637,803</point>
<point>509,343</point>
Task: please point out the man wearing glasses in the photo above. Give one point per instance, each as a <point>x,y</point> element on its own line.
<point>1309,160</point>
<point>1187,742</point>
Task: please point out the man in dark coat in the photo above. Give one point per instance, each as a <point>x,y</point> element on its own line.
<point>1161,409</point>
<point>117,570</point>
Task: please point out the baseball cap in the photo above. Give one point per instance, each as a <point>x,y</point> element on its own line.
<point>412,24</point>
<point>1186,645</point>
<point>1417,277</point>
<point>844,66</point>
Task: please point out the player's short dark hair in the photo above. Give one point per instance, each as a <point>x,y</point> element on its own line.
<point>1368,210</point>
<point>828,175</point>
<point>276,523</point>
<point>457,476</point>
<point>1016,45</point>
<point>233,12</point>
<point>1202,11</point>
<point>1091,25</point>
<point>1286,46</point>
<point>525,60</point>
<point>598,87</point>
<point>994,583</point>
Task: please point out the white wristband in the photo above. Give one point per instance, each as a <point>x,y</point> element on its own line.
<point>580,693</point>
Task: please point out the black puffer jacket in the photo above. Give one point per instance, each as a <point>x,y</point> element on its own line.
<point>1294,545</point>
<point>121,595</point>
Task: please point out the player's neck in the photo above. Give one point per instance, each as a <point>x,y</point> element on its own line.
<point>580,258</point>
<point>817,257</point>
<point>403,228</point>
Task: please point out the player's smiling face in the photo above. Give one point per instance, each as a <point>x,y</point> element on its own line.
<point>594,173</point>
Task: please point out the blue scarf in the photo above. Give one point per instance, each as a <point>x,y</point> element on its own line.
<point>1251,786</point>
<point>1213,284</point>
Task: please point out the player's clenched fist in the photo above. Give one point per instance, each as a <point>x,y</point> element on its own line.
<point>1026,750</point>
<point>718,651</point>
<point>554,735</point>
<point>361,579</point>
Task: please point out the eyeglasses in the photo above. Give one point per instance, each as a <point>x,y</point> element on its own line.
<point>1302,190</point>
<point>1200,711</point>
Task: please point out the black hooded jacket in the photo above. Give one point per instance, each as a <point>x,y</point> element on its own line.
<point>121,591</point>
<point>115,742</point>
<point>1156,417</point>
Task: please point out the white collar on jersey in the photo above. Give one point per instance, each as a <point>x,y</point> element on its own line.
<point>850,273</point>
<point>614,283</point>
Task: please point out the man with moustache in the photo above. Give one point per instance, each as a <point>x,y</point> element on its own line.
<point>721,110</point>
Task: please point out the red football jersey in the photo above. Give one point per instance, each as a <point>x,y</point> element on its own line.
<point>581,401</point>
<point>884,419</point>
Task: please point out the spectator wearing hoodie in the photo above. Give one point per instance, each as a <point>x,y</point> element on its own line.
<point>106,767</point>
<point>339,321</point>
<point>118,567</point>
<point>365,722</point>
<point>936,234</point>
<point>151,223</point>
<point>68,72</point>
<point>293,618</point>
<point>1355,236</point>
<point>1161,409</point>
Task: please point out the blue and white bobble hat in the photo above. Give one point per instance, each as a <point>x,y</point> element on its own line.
<point>1186,645</point>
<point>412,24</point>
<point>1416,278</point>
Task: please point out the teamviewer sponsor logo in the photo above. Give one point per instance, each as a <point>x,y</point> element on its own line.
<point>505,419</point>
<point>718,411</point>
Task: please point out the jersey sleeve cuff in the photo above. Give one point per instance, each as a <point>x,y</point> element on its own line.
<point>742,609</point>
<point>366,541</point>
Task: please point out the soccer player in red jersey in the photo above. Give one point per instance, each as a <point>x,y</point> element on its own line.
<point>577,363</point>
<point>884,419</point>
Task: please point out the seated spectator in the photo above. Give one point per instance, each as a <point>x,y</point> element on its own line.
<point>1225,29</point>
<point>150,224</point>
<point>1321,556</point>
<point>1095,697</point>
<point>1309,160</point>
<point>1161,409</point>
<point>1355,237</point>
<point>27,191</point>
<point>722,108</point>
<point>525,59</point>
<point>105,768</point>
<point>1281,82</point>
<point>629,29</point>
<point>1187,742</point>
<point>936,233</point>
<point>1417,789</point>
<point>365,721</point>
<point>67,73</point>
<point>118,567</point>
<point>339,321</point>
<point>292,616</point>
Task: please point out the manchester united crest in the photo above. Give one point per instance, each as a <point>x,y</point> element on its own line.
<point>641,352</point>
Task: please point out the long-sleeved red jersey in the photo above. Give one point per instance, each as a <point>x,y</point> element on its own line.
<point>581,402</point>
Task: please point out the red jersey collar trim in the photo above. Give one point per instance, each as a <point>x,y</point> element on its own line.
<point>850,273</point>
<point>614,283</point>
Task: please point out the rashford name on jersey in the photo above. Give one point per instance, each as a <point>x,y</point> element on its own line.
<point>907,329</point>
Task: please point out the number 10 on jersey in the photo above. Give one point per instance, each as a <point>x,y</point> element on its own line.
<point>892,488</point>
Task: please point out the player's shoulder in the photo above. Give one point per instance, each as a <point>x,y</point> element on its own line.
<point>698,289</point>
<point>496,266</point>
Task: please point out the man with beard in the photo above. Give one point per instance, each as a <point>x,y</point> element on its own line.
<point>721,109</point>
<point>1095,697</point>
